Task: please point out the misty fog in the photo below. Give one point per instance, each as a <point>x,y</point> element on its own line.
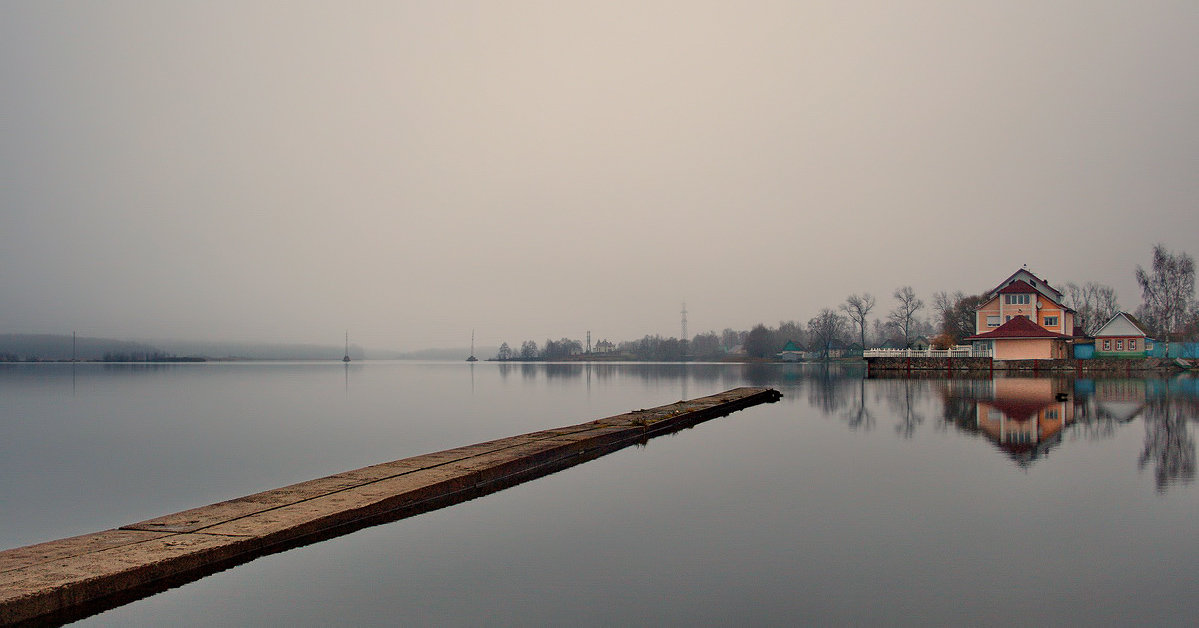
<point>410,171</point>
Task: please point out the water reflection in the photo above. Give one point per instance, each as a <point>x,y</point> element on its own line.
<point>1025,417</point>
<point>1169,443</point>
<point>1028,417</point>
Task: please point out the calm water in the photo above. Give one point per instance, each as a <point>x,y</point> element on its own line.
<point>860,501</point>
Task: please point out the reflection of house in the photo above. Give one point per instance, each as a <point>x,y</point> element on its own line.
<point>1025,417</point>
<point>791,352</point>
<point>1122,336</point>
<point>1120,399</point>
<point>1023,318</point>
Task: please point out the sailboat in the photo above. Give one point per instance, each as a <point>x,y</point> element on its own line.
<point>472,357</point>
<point>346,357</point>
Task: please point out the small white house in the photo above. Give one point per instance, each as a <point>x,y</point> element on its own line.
<point>1122,336</point>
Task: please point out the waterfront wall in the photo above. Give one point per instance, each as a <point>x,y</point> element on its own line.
<point>1097,365</point>
<point>928,364</point>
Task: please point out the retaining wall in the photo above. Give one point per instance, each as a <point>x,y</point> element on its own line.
<point>1097,365</point>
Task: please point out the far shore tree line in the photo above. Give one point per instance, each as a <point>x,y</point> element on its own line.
<point>1168,310</point>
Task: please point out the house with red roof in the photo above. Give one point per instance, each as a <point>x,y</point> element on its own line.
<point>1023,318</point>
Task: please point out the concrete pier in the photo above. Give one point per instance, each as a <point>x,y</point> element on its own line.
<point>71,578</point>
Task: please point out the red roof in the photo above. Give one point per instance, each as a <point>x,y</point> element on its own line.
<point>1018,327</point>
<point>1019,409</point>
<point>1018,287</point>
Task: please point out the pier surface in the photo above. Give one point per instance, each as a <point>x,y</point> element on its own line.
<point>71,578</point>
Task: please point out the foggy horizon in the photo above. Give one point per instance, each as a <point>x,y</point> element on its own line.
<point>278,172</point>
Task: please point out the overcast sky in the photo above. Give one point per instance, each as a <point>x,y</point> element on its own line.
<point>284,171</point>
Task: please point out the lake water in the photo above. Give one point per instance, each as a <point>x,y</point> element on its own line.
<point>851,501</point>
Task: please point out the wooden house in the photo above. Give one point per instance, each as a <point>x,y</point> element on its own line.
<point>791,352</point>
<point>1123,336</point>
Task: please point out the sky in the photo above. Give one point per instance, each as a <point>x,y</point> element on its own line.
<point>413,171</point>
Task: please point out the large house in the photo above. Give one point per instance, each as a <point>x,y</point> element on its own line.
<point>1023,318</point>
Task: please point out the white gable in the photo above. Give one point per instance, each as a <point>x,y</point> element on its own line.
<point>1047,291</point>
<point>1119,326</point>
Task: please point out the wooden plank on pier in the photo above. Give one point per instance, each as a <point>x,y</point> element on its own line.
<point>71,578</point>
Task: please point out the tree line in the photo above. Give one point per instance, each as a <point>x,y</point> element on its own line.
<point>1168,310</point>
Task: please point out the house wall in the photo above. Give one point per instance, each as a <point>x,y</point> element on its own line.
<point>991,308</point>
<point>1120,347</point>
<point>996,307</point>
<point>1065,319</point>
<point>1026,388</point>
<point>1028,349</point>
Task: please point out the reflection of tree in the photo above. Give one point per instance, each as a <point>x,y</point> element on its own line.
<point>961,412</point>
<point>1168,443</point>
<point>1092,422</point>
<point>829,390</point>
<point>858,415</point>
<point>901,398</point>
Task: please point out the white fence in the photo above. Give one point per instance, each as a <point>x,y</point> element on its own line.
<point>959,351</point>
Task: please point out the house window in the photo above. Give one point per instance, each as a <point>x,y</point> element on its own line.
<point>1132,344</point>
<point>1017,299</point>
<point>1051,321</point>
<point>1107,345</point>
<point>1120,345</point>
<point>992,321</point>
<point>1051,414</point>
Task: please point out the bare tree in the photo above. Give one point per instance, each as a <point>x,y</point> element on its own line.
<point>857,307</point>
<point>1168,291</point>
<point>760,342</point>
<point>1094,304</point>
<point>904,314</point>
<point>858,415</point>
<point>826,327</point>
<point>957,313</point>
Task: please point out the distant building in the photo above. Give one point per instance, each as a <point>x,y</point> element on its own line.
<point>604,346</point>
<point>791,352</point>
